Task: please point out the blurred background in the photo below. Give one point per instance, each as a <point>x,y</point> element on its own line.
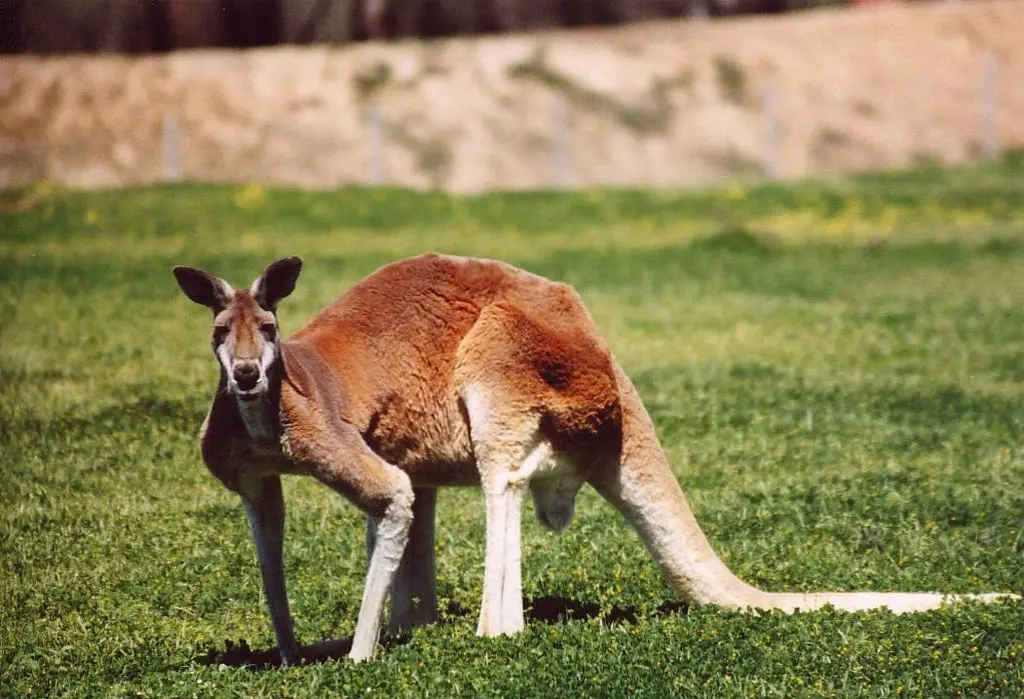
<point>470,95</point>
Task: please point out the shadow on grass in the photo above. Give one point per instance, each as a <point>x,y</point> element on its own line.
<point>241,655</point>
<point>551,609</point>
<point>548,609</point>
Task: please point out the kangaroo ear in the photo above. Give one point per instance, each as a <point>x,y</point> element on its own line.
<point>276,282</point>
<point>204,288</point>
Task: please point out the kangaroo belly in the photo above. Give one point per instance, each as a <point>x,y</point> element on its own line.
<point>441,474</point>
<point>428,439</point>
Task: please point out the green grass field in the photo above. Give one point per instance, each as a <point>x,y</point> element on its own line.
<point>835,368</point>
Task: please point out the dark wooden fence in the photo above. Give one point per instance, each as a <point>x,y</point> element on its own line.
<point>138,26</point>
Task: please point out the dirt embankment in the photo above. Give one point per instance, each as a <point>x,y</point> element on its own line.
<point>666,103</point>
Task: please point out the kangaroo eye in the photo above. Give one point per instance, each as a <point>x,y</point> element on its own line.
<point>219,333</point>
<point>269,331</point>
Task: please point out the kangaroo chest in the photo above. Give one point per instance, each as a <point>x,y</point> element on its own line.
<point>246,435</point>
<point>260,420</point>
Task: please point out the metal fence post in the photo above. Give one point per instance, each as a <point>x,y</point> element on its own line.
<point>560,145</point>
<point>770,109</point>
<point>172,149</point>
<point>990,140</point>
<point>375,145</point>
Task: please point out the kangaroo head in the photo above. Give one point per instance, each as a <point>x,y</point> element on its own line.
<point>245,337</point>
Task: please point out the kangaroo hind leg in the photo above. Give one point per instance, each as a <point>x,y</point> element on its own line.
<point>509,452</point>
<point>536,387</point>
<point>414,594</point>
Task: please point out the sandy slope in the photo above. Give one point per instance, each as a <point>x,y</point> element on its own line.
<point>661,103</point>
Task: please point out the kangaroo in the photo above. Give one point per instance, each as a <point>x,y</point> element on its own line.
<point>448,371</point>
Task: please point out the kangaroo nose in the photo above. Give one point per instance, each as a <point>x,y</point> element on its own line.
<point>246,375</point>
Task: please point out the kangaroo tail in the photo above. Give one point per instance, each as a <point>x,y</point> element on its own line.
<point>641,486</point>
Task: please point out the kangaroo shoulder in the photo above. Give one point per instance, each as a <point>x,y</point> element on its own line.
<point>313,398</point>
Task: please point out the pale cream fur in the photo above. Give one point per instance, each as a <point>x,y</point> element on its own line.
<point>442,371</point>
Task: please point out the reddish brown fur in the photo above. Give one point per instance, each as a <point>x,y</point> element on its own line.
<point>386,358</point>
<point>397,341</point>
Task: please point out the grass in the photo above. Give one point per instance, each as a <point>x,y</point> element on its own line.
<point>834,368</point>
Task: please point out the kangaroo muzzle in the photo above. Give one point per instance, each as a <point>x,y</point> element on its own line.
<point>246,375</point>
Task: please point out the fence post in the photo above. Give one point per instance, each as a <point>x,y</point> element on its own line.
<point>770,110</point>
<point>990,140</point>
<point>172,149</point>
<point>375,145</point>
<point>561,146</point>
